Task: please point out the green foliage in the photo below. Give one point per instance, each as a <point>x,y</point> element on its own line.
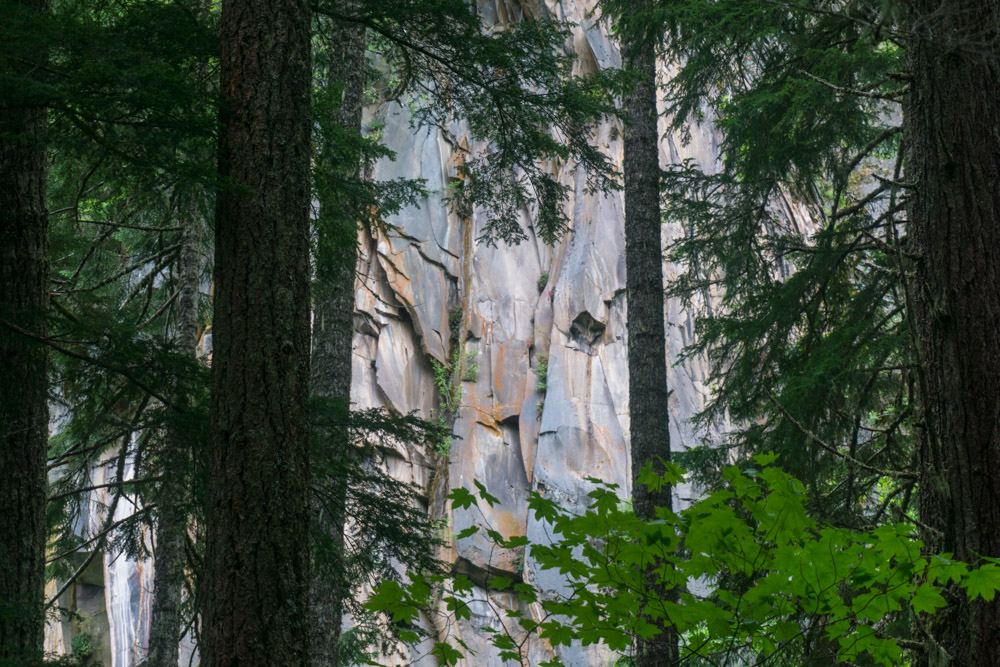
<point>442,444</point>
<point>543,281</point>
<point>802,581</point>
<point>447,379</point>
<point>470,369</point>
<point>355,483</point>
<point>360,644</point>
<point>795,246</point>
<point>442,52</point>
<point>449,393</point>
<point>131,94</point>
<point>83,645</point>
<point>541,372</point>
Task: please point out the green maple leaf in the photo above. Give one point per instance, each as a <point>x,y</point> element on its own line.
<point>982,582</point>
<point>927,599</point>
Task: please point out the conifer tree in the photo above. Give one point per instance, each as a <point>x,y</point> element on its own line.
<point>342,47</point>
<point>255,587</point>
<point>861,350</point>
<point>952,113</point>
<point>169,555</point>
<point>647,361</point>
<point>24,287</point>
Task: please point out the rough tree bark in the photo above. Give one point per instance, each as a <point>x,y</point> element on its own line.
<point>24,294</point>
<point>952,119</point>
<point>256,580</point>
<point>333,330</point>
<point>171,526</point>
<point>647,359</point>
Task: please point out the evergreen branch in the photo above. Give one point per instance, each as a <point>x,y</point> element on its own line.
<point>861,205</point>
<point>895,182</point>
<point>108,485</point>
<point>139,512</point>
<point>120,471</point>
<point>128,375</point>
<point>90,253</point>
<point>887,97</point>
<point>902,474</point>
<point>160,310</point>
<point>61,459</point>
<point>141,228</point>
<point>166,255</point>
<point>871,146</point>
<point>72,578</point>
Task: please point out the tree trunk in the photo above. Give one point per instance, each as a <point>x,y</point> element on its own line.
<point>952,118</point>
<point>647,359</point>
<point>171,521</point>
<point>255,589</point>
<point>333,331</point>
<point>24,416</point>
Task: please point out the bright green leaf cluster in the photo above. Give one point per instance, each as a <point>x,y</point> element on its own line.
<point>756,528</point>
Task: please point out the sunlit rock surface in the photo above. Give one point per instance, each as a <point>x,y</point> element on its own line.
<point>544,327</point>
<point>546,404</point>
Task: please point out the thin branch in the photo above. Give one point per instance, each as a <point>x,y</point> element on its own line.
<point>71,579</point>
<point>141,228</point>
<point>108,485</point>
<point>166,252</point>
<point>160,310</point>
<point>101,534</point>
<point>96,362</point>
<point>903,474</point>
<point>888,97</point>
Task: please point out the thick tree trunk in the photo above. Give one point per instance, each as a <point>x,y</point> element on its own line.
<point>24,281</point>
<point>952,117</point>
<point>333,331</point>
<point>171,526</point>
<point>255,587</point>
<point>647,360</point>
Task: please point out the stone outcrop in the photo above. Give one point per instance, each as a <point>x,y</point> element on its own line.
<point>544,327</point>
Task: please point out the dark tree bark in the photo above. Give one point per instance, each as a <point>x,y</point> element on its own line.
<point>171,521</point>
<point>952,118</point>
<point>333,331</point>
<point>256,580</point>
<point>647,359</point>
<point>24,294</point>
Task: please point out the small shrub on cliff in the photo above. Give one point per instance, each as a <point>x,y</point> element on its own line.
<point>470,370</point>
<point>542,371</point>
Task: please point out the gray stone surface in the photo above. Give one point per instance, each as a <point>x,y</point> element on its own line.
<point>521,307</point>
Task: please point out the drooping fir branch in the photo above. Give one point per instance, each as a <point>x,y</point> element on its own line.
<point>795,232</point>
<point>515,89</point>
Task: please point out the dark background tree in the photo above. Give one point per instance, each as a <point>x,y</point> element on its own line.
<point>176,454</point>
<point>861,348</point>
<point>24,414</point>
<point>647,358</point>
<point>953,167</point>
<point>342,81</point>
<point>255,589</point>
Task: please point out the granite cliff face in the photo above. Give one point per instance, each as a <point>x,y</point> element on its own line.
<point>534,336</point>
<point>537,333</point>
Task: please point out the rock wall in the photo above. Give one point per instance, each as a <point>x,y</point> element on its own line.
<point>540,337</point>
